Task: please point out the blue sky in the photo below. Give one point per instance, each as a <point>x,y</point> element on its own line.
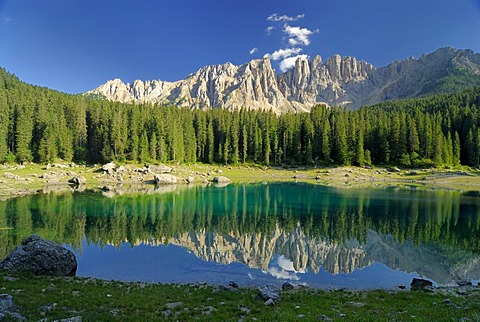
<point>76,45</point>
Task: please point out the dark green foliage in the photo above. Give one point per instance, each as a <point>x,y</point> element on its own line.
<point>42,125</point>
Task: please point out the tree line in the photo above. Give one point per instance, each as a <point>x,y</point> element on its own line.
<point>42,125</point>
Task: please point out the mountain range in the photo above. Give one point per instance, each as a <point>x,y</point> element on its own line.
<point>337,81</point>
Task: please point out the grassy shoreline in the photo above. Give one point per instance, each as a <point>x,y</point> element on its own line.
<point>56,298</point>
<point>18,180</point>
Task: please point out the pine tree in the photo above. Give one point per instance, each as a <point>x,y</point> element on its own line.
<point>153,146</point>
<point>144,147</point>
<point>326,145</point>
<point>360,155</point>
<point>456,149</point>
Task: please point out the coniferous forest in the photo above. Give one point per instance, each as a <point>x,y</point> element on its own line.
<point>42,125</point>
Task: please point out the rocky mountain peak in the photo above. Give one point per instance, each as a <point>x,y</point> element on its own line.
<point>337,81</point>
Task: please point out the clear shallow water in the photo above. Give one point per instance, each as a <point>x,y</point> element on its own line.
<point>253,234</point>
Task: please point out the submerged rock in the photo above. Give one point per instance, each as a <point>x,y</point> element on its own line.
<point>41,257</point>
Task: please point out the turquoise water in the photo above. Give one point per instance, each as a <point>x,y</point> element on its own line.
<point>253,234</point>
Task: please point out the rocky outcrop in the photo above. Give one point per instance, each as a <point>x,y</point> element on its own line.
<point>337,81</point>
<point>40,257</point>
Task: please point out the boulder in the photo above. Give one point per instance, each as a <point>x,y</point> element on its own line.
<point>8,309</point>
<point>165,179</point>
<point>78,180</point>
<point>160,168</point>
<point>221,179</point>
<point>7,304</point>
<point>10,175</point>
<point>393,169</point>
<point>269,292</point>
<point>420,284</point>
<point>40,257</point>
<point>287,286</point>
<point>109,167</point>
<point>190,179</point>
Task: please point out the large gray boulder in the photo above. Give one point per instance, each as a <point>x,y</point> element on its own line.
<point>40,257</point>
<point>165,179</point>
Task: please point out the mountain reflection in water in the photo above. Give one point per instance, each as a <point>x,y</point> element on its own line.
<point>312,234</point>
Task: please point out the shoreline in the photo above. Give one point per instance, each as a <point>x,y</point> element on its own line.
<point>22,180</point>
<point>43,298</point>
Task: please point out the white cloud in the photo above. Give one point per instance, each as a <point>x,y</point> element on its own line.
<point>283,269</point>
<point>285,53</point>
<point>298,36</point>
<point>289,62</point>
<point>269,30</point>
<point>284,18</point>
<point>253,50</point>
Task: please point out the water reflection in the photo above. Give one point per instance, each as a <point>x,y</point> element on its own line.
<point>291,231</point>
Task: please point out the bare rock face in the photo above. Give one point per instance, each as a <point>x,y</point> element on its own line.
<point>40,257</point>
<point>337,81</point>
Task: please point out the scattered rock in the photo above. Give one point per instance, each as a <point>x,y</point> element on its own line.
<point>447,301</point>
<point>190,179</point>
<point>419,284</point>
<point>355,304</point>
<point>40,257</point>
<point>233,284</point>
<point>106,188</point>
<point>269,302</point>
<point>464,283</point>
<point>109,167</point>
<point>72,319</point>
<point>174,305</point>
<point>160,168</point>
<point>287,286</point>
<point>269,292</point>
<point>78,180</point>
<point>8,309</point>
<point>165,179</point>
<point>401,286</point>
<point>300,316</point>
<point>7,304</point>
<point>324,318</point>
<point>221,179</point>
<point>393,169</point>
<point>10,175</point>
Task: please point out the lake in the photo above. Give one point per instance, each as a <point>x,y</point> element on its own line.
<point>254,234</point>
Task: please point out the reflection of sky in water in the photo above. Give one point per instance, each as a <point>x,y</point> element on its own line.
<point>175,264</point>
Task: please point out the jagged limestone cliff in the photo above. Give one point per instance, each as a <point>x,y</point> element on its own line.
<point>337,81</point>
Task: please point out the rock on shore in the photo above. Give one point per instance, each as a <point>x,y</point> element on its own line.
<point>40,257</point>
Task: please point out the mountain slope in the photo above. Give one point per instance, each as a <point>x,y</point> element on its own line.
<point>337,81</point>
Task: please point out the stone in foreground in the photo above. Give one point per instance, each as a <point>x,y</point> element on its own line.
<point>419,284</point>
<point>269,292</point>
<point>40,257</point>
